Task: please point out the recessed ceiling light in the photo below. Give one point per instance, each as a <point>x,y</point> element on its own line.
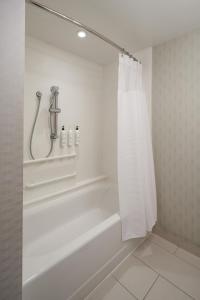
<point>82,34</point>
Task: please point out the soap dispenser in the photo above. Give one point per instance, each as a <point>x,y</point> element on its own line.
<point>77,135</point>
<point>63,137</point>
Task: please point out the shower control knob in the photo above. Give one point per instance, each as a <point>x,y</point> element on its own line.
<point>53,136</point>
<point>55,110</point>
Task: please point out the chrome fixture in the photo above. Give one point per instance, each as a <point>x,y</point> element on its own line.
<point>82,26</point>
<point>54,111</point>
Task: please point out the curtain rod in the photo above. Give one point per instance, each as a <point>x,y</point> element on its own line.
<point>79,24</point>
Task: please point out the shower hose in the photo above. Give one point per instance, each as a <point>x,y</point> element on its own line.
<point>39,96</point>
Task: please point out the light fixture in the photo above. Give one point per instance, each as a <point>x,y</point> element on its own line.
<point>82,34</point>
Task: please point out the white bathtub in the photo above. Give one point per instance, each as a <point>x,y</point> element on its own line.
<point>71,243</point>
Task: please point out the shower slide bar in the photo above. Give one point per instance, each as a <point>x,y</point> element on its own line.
<point>85,27</point>
<point>41,160</point>
<point>56,179</point>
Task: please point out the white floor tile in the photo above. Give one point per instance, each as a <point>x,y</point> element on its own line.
<point>110,289</point>
<point>163,243</point>
<point>135,276</point>
<point>182,274</point>
<point>164,290</point>
<point>188,257</point>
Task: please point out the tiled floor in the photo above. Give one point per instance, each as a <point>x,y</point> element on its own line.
<point>157,270</point>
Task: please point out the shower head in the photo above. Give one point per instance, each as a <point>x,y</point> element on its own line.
<point>39,95</point>
<point>54,90</point>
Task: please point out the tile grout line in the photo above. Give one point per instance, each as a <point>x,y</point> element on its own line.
<point>164,277</point>
<point>175,252</point>
<point>187,262</point>
<point>93,290</point>
<point>123,286</point>
<point>154,282</point>
<point>182,243</point>
<point>172,253</point>
<point>150,239</point>
<point>162,247</point>
<point>111,273</point>
<point>158,274</point>
<point>150,267</point>
<point>124,259</point>
<point>157,244</point>
<point>191,297</point>
<point>140,244</point>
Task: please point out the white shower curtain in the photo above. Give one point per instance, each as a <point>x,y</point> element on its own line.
<point>136,178</point>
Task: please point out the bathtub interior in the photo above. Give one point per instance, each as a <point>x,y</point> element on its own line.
<point>42,219</point>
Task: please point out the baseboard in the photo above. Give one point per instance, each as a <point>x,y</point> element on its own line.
<point>177,240</point>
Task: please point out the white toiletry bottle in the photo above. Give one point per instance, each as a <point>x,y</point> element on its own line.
<point>70,137</point>
<point>63,137</point>
<point>77,136</point>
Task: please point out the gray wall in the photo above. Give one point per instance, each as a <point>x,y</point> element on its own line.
<point>11,99</point>
<point>176,135</point>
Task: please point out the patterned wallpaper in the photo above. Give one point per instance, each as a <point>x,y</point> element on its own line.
<point>176,135</point>
<point>11,131</point>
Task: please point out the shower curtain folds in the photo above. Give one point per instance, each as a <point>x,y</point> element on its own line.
<point>136,178</point>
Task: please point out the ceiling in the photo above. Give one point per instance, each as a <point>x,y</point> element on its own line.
<point>133,24</point>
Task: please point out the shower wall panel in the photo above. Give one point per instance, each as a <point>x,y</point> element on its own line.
<point>80,98</point>
<point>176,135</point>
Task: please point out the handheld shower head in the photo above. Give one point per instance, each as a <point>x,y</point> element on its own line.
<point>54,90</point>
<point>39,95</point>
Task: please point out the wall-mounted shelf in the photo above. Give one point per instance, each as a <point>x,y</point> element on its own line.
<point>56,179</point>
<point>41,160</point>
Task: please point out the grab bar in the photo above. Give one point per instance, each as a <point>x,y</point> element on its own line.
<point>34,185</point>
<point>36,161</point>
